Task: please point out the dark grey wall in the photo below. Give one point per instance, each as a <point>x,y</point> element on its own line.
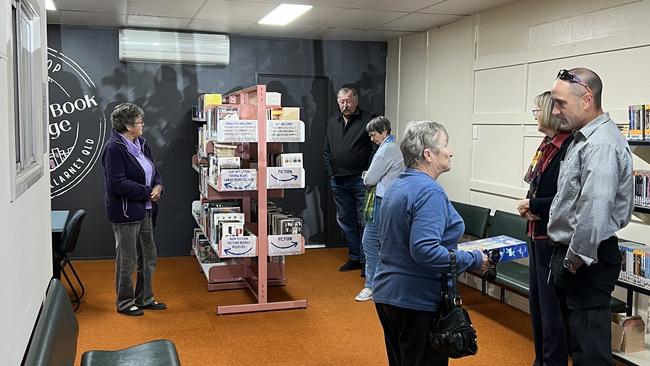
<point>167,93</point>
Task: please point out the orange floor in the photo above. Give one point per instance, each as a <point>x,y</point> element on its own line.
<point>333,330</point>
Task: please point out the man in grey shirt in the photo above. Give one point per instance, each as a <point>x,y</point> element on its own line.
<point>593,201</point>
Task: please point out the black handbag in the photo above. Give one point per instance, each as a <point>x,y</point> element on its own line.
<point>452,333</point>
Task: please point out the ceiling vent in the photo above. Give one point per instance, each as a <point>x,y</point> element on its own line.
<point>140,45</point>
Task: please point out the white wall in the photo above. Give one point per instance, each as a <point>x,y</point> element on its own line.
<point>25,223</point>
<point>482,74</point>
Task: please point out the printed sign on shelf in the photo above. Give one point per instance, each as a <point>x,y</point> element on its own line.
<point>286,244</point>
<point>237,180</point>
<point>243,130</point>
<point>285,131</point>
<point>237,246</point>
<point>281,177</point>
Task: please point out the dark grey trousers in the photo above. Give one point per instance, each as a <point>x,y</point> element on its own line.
<point>134,245</point>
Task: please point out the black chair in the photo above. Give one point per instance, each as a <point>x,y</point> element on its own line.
<point>54,341</point>
<point>67,245</point>
<point>161,352</point>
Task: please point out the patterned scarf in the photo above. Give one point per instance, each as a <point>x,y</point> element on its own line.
<point>369,205</point>
<point>541,160</point>
<point>369,200</point>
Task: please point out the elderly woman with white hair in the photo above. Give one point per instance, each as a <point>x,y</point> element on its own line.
<point>418,229</point>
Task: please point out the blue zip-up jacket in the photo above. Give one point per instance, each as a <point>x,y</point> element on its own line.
<point>126,190</point>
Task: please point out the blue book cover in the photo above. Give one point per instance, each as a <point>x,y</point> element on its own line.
<point>510,248</point>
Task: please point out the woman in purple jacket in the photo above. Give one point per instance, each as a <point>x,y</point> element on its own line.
<point>133,186</point>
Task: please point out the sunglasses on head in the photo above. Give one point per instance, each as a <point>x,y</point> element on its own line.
<point>567,76</point>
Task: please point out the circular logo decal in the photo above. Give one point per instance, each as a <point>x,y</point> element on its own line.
<point>76,125</point>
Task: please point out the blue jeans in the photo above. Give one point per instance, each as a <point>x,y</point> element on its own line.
<point>370,243</point>
<point>349,193</point>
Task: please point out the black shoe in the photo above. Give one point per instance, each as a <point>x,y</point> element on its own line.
<point>155,306</point>
<point>131,311</point>
<point>350,266</point>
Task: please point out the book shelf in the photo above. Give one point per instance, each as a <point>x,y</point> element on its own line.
<point>632,286</point>
<point>260,271</point>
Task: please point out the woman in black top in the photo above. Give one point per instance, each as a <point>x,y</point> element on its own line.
<point>548,329</point>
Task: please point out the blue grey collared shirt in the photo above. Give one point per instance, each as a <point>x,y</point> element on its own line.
<point>595,196</point>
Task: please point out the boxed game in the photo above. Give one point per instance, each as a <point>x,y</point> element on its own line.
<point>510,248</point>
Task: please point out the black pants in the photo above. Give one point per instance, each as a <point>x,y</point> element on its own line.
<point>406,335</point>
<point>585,303</point>
<point>548,328</point>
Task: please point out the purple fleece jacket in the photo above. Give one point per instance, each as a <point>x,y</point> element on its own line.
<point>126,190</point>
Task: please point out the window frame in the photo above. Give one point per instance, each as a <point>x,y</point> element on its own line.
<point>27,142</point>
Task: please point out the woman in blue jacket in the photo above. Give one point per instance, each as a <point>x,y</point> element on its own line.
<point>418,228</point>
<point>133,187</point>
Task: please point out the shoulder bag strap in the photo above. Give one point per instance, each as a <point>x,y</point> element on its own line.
<point>454,278</point>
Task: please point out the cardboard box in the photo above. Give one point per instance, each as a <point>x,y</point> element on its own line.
<point>510,248</point>
<point>628,333</point>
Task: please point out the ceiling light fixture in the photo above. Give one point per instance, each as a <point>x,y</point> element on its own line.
<point>49,5</point>
<point>284,14</point>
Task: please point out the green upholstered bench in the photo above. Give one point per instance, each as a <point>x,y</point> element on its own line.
<point>513,276</point>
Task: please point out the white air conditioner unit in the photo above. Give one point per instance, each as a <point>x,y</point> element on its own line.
<point>142,45</point>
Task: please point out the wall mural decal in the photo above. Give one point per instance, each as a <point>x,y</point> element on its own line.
<point>77,126</point>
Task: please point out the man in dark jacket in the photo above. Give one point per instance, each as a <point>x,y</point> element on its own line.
<point>348,151</point>
<point>133,186</point>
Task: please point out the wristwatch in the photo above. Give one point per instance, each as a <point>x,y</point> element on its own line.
<point>566,263</point>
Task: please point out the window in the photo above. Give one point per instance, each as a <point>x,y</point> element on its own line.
<point>28,132</point>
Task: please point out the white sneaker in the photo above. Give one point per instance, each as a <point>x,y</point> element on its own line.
<point>364,295</point>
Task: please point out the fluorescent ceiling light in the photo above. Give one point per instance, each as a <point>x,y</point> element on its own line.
<point>49,5</point>
<point>284,14</point>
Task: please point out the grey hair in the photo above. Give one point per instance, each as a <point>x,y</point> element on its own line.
<point>124,115</point>
<point>421,135</point>
<point>378,124</point>
<point>348,90</point>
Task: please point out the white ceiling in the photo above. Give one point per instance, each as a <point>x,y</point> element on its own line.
<point>361,20</point>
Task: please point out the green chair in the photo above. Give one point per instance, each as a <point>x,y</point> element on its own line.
<point>476,221</point>
<point>475,217</point>
<point>510,275</point>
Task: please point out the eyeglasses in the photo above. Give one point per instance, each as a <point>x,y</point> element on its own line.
<point>139,121</point>
<point>536,112</point>
<point>567,76</point>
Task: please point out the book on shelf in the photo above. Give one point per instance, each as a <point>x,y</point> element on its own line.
<point>635,266</point>
<point>641,188</point>
<point>283,113</point>
<point>639,121</point>
<point>209,100</point>
<point>509,248</point>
